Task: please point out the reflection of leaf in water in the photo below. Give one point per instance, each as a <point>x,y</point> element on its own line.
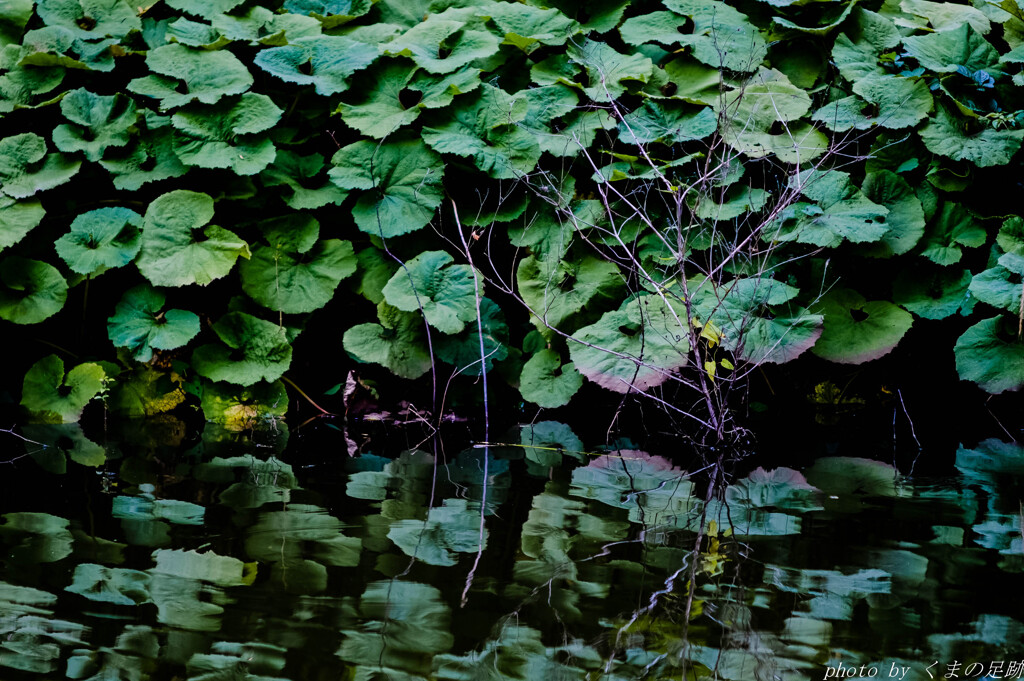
<point>37,537</point>
<point>840,475</point>
<point>35,644</point>
<point>208,567</point>
<point>744,521</point>
<point>110,585</point>
<point>59,440</point>
<point>832,592</point>
<point>132,657</point>
<point>287,535</point>
<point>406,624</point>
<point>545,442</point>
<point>256,482</point>
<point>989,459</point>
<point>650,487</point>
<point>782,488</point>
<point>22,600</point>
<point>230,661</point>
<point>516,653</point>
<point>453,527</point>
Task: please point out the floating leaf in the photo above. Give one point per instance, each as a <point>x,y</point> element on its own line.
<point>30,290</point>
<point>18,218</point>
<point>90,19</point>
<point>483,126</point>
<point>101,239</point>
<point>405,176</point>
<point>141,325</point>
<point>547,382</point>
<point>206,76</point>
<point>172,254</point>
<point>858,331</point>
<point>224,135</point>
<point>325,62</point>
<point>26,168</point>
<point>991,355</point>
<point>297,282</point>
<point>253,350</point>
<point>446,294</point>
<point>441,45</point>
<point>48,392</point>
<point>397,343</point>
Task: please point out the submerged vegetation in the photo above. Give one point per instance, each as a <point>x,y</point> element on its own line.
<point>653,199</point>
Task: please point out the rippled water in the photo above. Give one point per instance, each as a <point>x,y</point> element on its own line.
<point>537,559</point>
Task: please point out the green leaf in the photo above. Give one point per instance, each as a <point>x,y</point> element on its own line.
<point>173,253</point>
<point>991,355</point>
<point>206,9</point>
<point>556,291</point>
<point>734,202</point>
<point>483,126</point>
<point>90,19</point>
<point>379,110</point>
<point>296,283</point>
<point>397,343</point>
<point>18,218</point>
<point>947,16</point>
<point>195,34</point>
<point>445,293</point>
<point>610,73</point>
<point>30,290</point>
<point>1011,236</point>
<point>141,325</point>
<point>547,382</point>
<point>952,228</point>
<point>667,122</point>
<point>597,15</point>
<point>257,406</point>
<point>842,212</point>
<point>332,13</point>
<point>307,188</point>
<point>529,27</point>
<point>463,351</point>
<point>634,348</point>
<point>405,176</point>
<point>13,18</point>
<point>102,122</point>
<point>253,350</point>
<point>325,62</point>
<point>944,52</point>
<point>777,337</point>
<point>858,331</point>
<point>857,50</point>
<point>983,146</point>
<point>204,75</point>
<point>144,391</point>
<point>427,41</point>
<point>998,287</point>
<point>722,37</point>
<point>225,135</point>
<point>150,159</point>
<point>101,239</point>
<point>933,293</point>
<point>47,392</point>
<point>905,221</point>
<point>26,168</point>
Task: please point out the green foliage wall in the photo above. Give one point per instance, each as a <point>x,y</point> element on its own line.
<point>670,193</point>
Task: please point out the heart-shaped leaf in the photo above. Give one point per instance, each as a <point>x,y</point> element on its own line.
<point>53,397</point>
<point>172,252</point>
<point>30,290</point>
<point>858,331</point>
<point>18,218</point>
<point>547,382</point>
<point>97,123</point>
<point>141,325</point>
<point>252,350</point>
<point>325,62</point>
<point>101,239</point>
<point>397,343</point>
<point>991,355</point>
<point>26,168</point>
<point>224,135</point>
<point>445,293</point>
<point>203,75</point>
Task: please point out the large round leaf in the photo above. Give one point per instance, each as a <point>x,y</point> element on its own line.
<point>258,406</point>
<point>30,290</point>
<point>90,19</point>
<point>54,397</point>
<point>445,293</point>
<point>172,252</point>
<point>101,239</point>
<point>225,134</point>
<point>631,349</point>
<point>557,291</point>
<point>858,331</point>
<point>405,176</point>
<point>26,168</point>
<point>253,350</point>
<point>905,221</point>
<point>397,343</point>
<point>142,325</point>
<point>932,292</point>
<point>294,282</point>
<point>972,141</point>
<point>421,43</point>
<point>547,382</point>
<point>203,75</point>
<point>18,218</point>
<point>97,122</point>
<point>325,62</point>
<point>463,350</point>
<point>990,354</point>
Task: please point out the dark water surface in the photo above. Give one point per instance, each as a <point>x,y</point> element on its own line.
<point>234,559</point>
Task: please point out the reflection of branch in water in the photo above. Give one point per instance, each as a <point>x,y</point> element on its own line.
<point>10,431</point>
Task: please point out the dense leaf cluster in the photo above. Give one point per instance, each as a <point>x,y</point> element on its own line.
<point>655,186</point>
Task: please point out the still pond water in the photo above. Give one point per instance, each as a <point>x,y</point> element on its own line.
<point>232,560</point>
